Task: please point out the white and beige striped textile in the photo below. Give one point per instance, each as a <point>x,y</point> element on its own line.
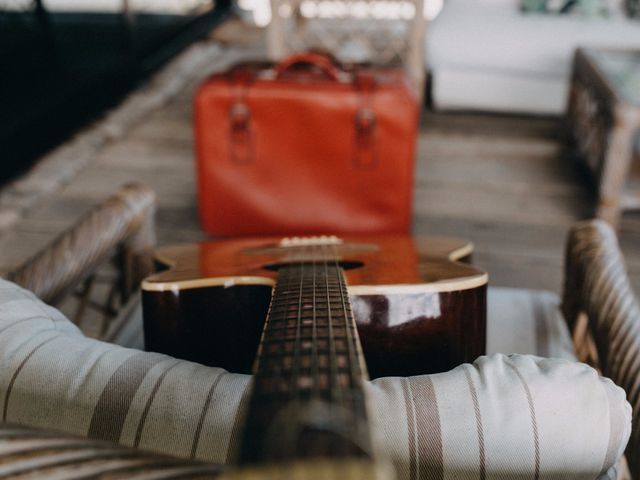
<point>502,417</point>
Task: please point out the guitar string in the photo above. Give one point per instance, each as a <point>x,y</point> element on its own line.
<point>340,278</point>
<point>267,364</point>
<point>332,274</point>
<point>295,370</point>
<point>314,337</point>
<point>298,276</point>
<point>349,334</point>
<point>336,389</point>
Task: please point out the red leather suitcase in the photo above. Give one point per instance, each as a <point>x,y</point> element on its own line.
<point>305,146</point>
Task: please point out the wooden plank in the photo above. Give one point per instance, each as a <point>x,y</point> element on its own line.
<point>521,271</point>
<point>164,130</point>
<point>178,217</point>
<point>135,154</point>
<point>179,111</point>
<point>499,175</point>
<point>55,214</point>
<point>454,144</point>
<point>172,186</point>
<point>504,125</point>
<point>493,235</point>
<point>170,236</point>
<point>16,248</point>
<point>445,199</point>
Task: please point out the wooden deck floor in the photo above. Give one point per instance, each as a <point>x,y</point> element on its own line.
<point>506,183</point>
<point>503,182</point>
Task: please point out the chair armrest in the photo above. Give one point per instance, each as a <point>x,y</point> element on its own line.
<point>42,454</point>
<point>603,314</point>
<point>122,225</point>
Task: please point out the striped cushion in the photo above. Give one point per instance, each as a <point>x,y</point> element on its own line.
<point>503,415</point>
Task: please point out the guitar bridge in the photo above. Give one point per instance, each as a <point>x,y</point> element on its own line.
<point>320,240</point>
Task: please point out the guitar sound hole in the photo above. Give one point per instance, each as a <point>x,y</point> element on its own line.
<point>346,265</point>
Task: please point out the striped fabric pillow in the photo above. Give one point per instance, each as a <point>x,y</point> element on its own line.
<point>503,416</point>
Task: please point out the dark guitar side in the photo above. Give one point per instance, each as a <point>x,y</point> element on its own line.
<point>417,307</point>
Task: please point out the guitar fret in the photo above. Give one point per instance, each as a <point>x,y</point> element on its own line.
<point>289,332</point>
<point>306,315</point>
<point>341,356</point>
<point>278,391</point>
<point>288,372</point>
<point>321,315</point>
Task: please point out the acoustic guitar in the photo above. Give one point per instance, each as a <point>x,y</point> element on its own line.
<point>397,305</point>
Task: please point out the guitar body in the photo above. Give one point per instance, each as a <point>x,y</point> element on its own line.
<point>418,305</point>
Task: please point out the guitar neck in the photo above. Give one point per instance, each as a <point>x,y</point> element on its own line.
<point>308,399</point>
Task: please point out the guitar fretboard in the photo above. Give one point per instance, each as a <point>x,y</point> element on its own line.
<point>308,398</point>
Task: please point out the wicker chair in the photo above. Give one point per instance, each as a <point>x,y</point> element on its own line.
<point>120,230</point>
<point>604,316</point>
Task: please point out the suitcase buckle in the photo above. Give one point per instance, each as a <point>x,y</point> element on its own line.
<point>241,148</point>
<point>239,116</point>
<point>365,124</point>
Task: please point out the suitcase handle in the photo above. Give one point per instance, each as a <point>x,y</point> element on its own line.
<point>316,60</point>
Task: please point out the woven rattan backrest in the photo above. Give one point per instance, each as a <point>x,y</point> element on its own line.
<point>119,231</point>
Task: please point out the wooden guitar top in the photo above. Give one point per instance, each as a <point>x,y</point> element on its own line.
<point>390,262</point>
